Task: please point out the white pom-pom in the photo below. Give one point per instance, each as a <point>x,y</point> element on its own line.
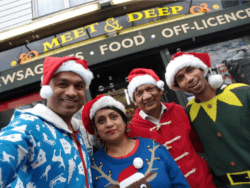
<point>138,162</point>
<point>215,81</point>
<point>160,84</point>
<point>46,92</point>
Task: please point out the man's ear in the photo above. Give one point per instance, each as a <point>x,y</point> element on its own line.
<point>201,70</point>
<point>135,103</point>
<point>161,92</point>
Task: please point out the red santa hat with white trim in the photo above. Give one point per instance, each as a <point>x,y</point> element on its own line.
<point>91,107</point>
<point>130,174</point>
<point>140,76</point>
<point>54,65</point>
<point>198,60</point>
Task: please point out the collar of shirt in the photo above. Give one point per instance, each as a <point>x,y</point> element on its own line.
<point>152,119</point>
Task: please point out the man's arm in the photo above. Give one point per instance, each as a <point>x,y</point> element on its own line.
<point>193,135</point>
<point>14,143</point>
<point>196,141</point>
<point>176,176</point>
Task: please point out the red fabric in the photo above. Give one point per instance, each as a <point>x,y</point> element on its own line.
<point>81,156</point>
<point>202,56</point>
<point>140,72</point>
<point>51,64</point>
<point>127,172</point>
<point>87,122</point>
<point>180,126</point>
<point>196,141</point>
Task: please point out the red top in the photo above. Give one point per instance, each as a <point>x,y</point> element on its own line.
<point>181,141</point>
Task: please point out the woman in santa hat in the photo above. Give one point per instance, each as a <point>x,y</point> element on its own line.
<point>122,161</point>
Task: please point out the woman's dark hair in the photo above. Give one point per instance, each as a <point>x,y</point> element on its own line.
<point>124,117</point>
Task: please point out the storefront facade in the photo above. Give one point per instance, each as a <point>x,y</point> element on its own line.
<point>145,38</point>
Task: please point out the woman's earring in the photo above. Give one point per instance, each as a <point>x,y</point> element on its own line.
<point>127,131</point>
<point>100,139</point>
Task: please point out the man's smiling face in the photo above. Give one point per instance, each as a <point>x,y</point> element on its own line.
<point>68,94</point>
<point>191,80</point>
<point>148,98</point>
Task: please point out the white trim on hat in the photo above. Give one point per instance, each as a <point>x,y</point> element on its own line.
<point>104,102</point>
<point>46,91</point>
<point>179,63</point>
<point>77,68</point>
<point>131,179</point>
<point>140,80</point>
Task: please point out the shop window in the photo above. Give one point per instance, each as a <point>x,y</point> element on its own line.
<point>122,96</point>
<point>44,7</point>
<point>230,58</point>
<point>112,79</point>
<point>232,3</point>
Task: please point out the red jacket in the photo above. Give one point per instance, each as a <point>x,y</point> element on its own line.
<point>181,142</point>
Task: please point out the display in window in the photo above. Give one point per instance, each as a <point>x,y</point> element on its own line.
<point>122,96</point>
<point>231,59</point>
<point>222,70</point>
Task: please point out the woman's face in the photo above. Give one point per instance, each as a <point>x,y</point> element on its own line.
<point>110,125</point>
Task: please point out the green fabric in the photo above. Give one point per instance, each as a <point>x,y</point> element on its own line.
<point>233,122</point>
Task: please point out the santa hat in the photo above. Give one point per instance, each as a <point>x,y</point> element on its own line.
<point>130,175</point>
<point>198,60</point>
<point>53,65</point>
<point>91,107</point>
<point>140,76</point>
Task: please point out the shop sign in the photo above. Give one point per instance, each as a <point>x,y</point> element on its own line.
<point>117,24</point>
<point>134,42</point>
<point>111,25</point>
<point>108,28</point>
<point>20,76</point>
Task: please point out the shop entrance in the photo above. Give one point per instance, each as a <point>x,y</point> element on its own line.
<point>111,78</point>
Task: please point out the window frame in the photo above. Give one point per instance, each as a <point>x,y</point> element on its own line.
<point>35,13</point>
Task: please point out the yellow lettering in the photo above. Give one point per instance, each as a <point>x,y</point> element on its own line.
<point>92,27</point>
<point>175,9</point>
<point>53,44</point>
<point>79,33</point>
<point>150,13</point>
<point>66,37</point>
<point>132,18</point>
<point>163,11</point>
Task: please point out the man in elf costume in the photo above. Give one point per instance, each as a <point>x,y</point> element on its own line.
<point>167,124</point>
<point>43,146</point>
<point>220,115</point>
